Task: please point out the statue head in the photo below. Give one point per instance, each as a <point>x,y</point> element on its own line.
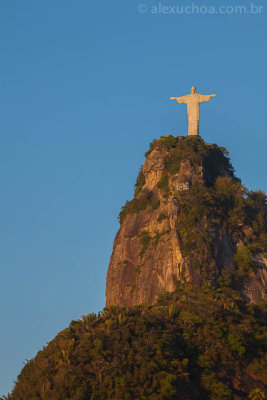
<point>193,90</point>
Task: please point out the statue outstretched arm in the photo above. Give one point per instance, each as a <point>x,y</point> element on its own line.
<point>203,98</point>
<point>180,100</point>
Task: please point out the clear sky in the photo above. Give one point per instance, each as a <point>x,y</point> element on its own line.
<point>84,88</point>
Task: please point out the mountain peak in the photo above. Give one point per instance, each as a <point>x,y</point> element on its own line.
<point>191,242</point>
<point>190,220</point>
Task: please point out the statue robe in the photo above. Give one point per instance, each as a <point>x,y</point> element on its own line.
<point>193,100</point>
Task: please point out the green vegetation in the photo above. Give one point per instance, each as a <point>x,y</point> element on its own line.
<point>123,262</point>
<point>244,259</point>
<point>256,394</point>
<point>140,181</point>
<point>193,149</point>
<point>212,157</point>
<point>155,204</point>
<point>193,344</point>
<point>216,162</point>
<point>169,141</point>
<point>166,142</point>
<point>229,207</point>
<point>163,184</point>
<point>158,236</point>
<point>161,217</point>
<point>136,205</point>
<point>145,240</point>
<point>143,201</point>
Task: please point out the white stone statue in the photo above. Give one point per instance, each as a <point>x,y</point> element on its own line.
<point>193,100</point>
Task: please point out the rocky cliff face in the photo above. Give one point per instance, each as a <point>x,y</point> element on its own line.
<point>177,227</point>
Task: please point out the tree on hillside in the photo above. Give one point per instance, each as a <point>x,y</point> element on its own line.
<point>256,394</point>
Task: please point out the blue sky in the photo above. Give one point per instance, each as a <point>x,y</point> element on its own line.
<point>84,88</point>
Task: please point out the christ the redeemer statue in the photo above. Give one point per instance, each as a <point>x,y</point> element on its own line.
<point>193,100</point>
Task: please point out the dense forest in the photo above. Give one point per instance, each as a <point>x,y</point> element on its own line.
<point>195,343</point>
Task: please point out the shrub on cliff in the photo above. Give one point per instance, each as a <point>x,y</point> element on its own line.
<point>136,205</point>
<point>140,181</point>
